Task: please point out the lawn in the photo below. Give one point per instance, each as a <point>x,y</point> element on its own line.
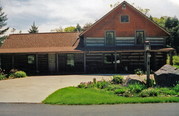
<point>90,96</point>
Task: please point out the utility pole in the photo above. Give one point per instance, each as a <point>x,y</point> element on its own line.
<point>147,58</point>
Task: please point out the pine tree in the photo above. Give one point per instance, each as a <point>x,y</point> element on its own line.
<point>78,28</point>
<point>3,19</point>
<point>33,29</point>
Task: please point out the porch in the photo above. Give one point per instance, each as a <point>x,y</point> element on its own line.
<point>83,62</point>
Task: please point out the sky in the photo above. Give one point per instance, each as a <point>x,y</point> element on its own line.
<point>51,14</point>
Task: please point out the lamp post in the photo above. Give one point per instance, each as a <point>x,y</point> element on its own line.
<point>147,60</point>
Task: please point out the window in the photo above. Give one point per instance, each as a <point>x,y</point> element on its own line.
<point>110,38</point>
<point>124,18</point>
<point>140,37</point>
<point>31,59</point>
<point>70,60</point>
<point>124,6</point>
<point>109,58</point>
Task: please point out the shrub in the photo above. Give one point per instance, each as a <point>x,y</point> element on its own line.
<point>113,87</point>
<point>176,88</point>
<point>18,74</point>
<point>128,94</point>
<point>151,92</point>
<point>82,85</point>
<point>2,77</point>
<point>121,91</point>
<point>117,79</point>
<point>136,88</point>
<point>166,91</point>
<point>90,85</point>
<point>138,72</point>
<point>102,84</point>
<point>13,71</point>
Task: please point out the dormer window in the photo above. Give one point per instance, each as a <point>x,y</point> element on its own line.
<point>124,18</point>
<point>124,6</point>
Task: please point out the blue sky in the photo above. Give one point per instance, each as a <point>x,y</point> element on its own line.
<point>51,14</point>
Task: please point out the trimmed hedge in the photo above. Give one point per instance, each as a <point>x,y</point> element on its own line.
<point>18,74</point>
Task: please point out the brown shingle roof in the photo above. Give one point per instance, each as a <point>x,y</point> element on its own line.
<point>40,42</point>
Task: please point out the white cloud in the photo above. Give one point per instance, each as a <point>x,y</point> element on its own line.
<point>51,14</point>
<point>175,2</point>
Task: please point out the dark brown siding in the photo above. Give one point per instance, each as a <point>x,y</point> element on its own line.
<point>158,60</point>
<point>78,64</point>
<point>43,63</point>
<point>6,62</point>
<point>94,63</point>
<point>20,62</point>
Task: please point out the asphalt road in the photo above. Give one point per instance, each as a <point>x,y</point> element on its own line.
<point>171,109</point>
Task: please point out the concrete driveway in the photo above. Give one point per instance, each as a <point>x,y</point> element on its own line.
<point>36,88</point>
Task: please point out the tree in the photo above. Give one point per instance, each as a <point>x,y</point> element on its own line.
<point>172,26</point>
<point>78,28</point>
<point>70,29</point>
<point>3,19</point>
<point>86,26</point>
<point>60,29</point>
<point>33,29</point>
<point>160,21</point>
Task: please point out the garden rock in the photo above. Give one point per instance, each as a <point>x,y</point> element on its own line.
<point>133,80</point>
<point>167,76</point>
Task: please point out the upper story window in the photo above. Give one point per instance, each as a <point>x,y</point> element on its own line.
<point>110,38</point>
<point>140,37</point>
<point>124,18</point>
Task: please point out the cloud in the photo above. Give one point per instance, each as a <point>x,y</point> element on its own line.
<point>51,14</point>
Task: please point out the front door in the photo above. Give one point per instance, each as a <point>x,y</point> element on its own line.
<point>52,62</point>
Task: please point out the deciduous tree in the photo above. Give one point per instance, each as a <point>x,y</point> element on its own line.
<point>86,26</point>
<point>70,29</point>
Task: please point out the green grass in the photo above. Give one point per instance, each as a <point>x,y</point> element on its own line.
<point>81,96</point>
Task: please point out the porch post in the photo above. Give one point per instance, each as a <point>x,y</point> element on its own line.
<point>57,62</point>
<point>84,62</point>
<point>115,65</point>
<point>36,63</point>
<point>0,61</point>
<point>171,57</point>
<point>147,53</point>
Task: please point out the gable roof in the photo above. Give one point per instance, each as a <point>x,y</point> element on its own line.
<point>40,42</point>
<point>114,9</point>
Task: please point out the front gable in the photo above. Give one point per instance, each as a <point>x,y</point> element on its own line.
<point>115,21</point>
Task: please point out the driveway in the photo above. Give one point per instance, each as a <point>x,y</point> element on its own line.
<point>36,88</point>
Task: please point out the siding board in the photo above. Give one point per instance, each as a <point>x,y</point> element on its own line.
<point>156,41</point>
<point>95,41</point>
<point>125,41</point>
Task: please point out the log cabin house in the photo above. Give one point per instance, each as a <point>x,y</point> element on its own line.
<point>115,43</point>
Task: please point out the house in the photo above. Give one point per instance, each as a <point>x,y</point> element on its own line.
<point>115,43</point>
